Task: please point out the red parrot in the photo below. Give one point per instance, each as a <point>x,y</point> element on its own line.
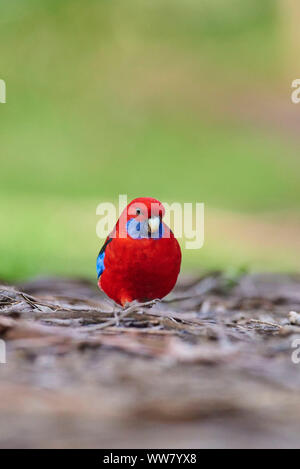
<point>140,260</point>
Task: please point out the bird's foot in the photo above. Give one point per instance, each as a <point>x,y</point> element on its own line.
<point>140,304</point>
<point>150,303</point>
<point>116,316</point>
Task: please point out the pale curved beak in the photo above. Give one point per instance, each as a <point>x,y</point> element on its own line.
<point>153,224</point>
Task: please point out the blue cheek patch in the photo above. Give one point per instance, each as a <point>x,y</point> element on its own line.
<point>134,229</point>
<point>160,231</point>
<point>139,230</point>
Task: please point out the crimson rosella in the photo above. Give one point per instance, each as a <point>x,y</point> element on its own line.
<point>140,260</point>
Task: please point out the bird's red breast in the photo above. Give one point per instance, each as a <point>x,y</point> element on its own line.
<point>139,265</point>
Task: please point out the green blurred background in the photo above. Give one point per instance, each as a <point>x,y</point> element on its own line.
<point>183,101</point>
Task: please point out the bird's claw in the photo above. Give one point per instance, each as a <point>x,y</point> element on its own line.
<point>138,304</point>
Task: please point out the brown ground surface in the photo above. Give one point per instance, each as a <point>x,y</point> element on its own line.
<point>209,367</point>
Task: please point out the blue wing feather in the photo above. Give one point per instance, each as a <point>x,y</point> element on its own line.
<point>100,264</point>
<point>100,259</point>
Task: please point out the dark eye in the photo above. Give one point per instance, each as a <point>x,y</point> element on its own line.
<point>138,211</point>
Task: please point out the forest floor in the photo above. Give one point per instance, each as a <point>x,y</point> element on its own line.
<point>210,366</point>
